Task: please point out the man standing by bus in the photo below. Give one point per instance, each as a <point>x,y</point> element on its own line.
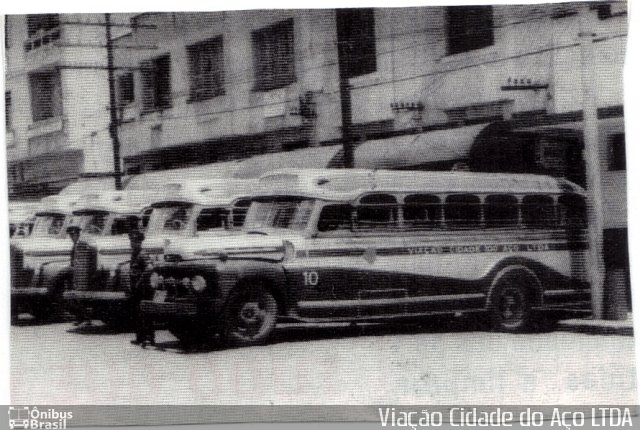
<point>138,272</point>
<point>74,233</point>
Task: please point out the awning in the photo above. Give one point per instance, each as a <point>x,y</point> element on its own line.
<point>88,186</point>
<point>50,167</point>
<point>307,158</point>
<point>159,179</point>
<point>403,152</point>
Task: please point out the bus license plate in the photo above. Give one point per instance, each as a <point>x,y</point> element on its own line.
<point>159,296</point>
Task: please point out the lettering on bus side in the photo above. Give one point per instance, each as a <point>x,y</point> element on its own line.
<point>472,249</point>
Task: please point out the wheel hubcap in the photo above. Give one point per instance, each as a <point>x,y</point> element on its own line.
<point>251,313</point>
<point>512,306</point>
<point>252,318</point>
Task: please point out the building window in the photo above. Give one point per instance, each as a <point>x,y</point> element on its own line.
<point>126,89</point>
<point>480,112</point>
<point>606,10</point>
<point>156,84</point>
<point>7,109</point>
<point>356,41</point>
<point>469,28</point>
<point>6,32</point>
<point>206,69</point>
<point>273,53</point>
<point>617,152</point>
<point>46,95</point>
<point>42,30</point>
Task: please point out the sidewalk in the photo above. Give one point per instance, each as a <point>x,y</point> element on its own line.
<point>593,326</point>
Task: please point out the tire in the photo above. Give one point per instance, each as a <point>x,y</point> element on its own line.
<point>249,317</point>
<point>511,301</point>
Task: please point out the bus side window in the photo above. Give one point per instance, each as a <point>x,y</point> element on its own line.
<point>422,210</point>
<point>500,210</point>
<point>211,218</point>
<point>335,217</point>
<point>239,213</point>
<point>538,211</point>
<point>572,210</point>
<point>377,211</point>
<point>463,211</point>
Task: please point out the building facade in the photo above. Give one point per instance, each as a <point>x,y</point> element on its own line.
<point>218,86</point>
<point>57,99</point>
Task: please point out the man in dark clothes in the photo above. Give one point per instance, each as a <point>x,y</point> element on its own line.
<point>138,271</point>
<point>74,233</point>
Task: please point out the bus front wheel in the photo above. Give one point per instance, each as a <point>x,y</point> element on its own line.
<point>250,316</point>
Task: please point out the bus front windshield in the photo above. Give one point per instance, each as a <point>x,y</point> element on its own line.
<point>93,223</point>
<point>49,225</point>
<point>169,219</point>
<point>279,213</point>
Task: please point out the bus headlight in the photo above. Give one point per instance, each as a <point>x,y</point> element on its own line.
<point>198,283</point>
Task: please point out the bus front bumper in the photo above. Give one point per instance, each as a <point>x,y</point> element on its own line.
<point>169,310</point>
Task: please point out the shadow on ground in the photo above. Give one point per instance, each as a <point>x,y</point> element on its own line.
<point>287,333</point>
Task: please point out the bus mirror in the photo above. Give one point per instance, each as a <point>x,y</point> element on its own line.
<point>289,251</point>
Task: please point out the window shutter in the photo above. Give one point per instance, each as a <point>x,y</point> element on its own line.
<point>147,80</point>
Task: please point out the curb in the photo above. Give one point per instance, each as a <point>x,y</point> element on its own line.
<point>597,327</point>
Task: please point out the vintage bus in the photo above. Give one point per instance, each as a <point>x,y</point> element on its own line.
<point>46,247</point>
<point>364,245</point>
<point>102,254</point>
<point>193,208</point>
<point>21,218</point>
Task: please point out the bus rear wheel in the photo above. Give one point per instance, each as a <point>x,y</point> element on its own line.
<point>510,306</point>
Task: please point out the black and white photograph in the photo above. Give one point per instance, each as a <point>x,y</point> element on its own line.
<point>314,206</point>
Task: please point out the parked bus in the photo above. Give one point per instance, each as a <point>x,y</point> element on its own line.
<point>196,209</point>
<point>363,245</point>
<point>21,218</point>
<point>100,287</point>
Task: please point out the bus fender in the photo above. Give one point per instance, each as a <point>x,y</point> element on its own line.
<point>527,268</point>
<point>245,274</point>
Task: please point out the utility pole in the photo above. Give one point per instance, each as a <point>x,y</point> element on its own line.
<point>592,161</point>
<point>345,96</point>
<point>113,109</point>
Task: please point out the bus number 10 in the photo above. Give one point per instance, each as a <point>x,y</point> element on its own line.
<point>310,278</point>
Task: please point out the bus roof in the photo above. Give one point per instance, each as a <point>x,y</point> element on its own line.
<point>21,211</point>
<point>211,192</point>
<point>349,184</point>
<point>57,204</point>
<point>119,202</point>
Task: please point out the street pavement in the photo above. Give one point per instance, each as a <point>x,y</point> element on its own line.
<point>433,363</point>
